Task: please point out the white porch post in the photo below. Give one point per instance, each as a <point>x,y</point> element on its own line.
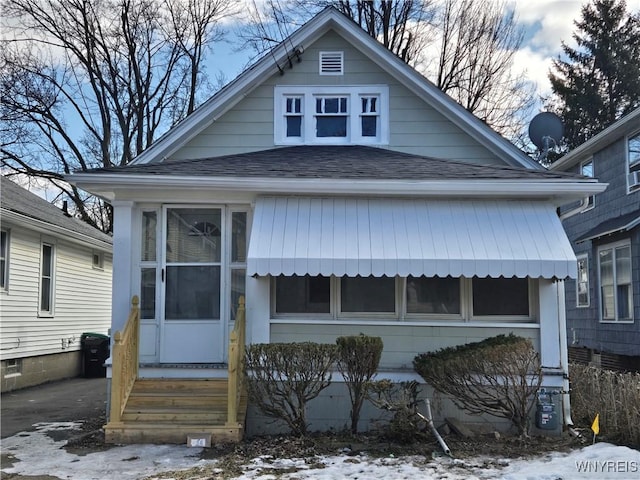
<point>549,324</point>
<point>122,258</point>
<point>258,310</point>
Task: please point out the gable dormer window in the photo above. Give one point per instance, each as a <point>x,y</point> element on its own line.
<point>633,162</point>
<point>331,63</point>
<point>331,115</point>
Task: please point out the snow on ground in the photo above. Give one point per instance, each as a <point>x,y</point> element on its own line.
<point>38,454</point>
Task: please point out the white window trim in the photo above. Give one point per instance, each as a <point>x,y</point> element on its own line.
<point>52,286</point>
<point>613,246</point>
<point>5,287</point>
<point>585,257</point>
<point>308,94</point>
<point>630,189</point>
<point>591,198</point>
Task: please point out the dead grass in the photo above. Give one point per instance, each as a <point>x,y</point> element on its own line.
<point>615,396</point>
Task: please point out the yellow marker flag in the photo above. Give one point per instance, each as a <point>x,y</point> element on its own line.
<point>595,426</point>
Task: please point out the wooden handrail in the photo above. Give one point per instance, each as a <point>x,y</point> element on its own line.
<point>125,361</point>
<point>236,364</point>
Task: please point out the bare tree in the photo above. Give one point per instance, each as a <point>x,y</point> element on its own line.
<point>477,43</point>
<point>90,84</point>
<point>401,26</point>
<point>466,47</point>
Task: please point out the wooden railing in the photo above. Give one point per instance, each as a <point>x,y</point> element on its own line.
<point>125,362</point>
<point>236,364</point>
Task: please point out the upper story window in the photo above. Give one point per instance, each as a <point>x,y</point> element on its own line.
<point>586,169</point>
<point>616,292</point>
<point>4,259</point>
<point>633,156</point>
<point>331,115</point>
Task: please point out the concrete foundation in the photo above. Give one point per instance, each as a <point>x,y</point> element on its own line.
<point>30,371</point>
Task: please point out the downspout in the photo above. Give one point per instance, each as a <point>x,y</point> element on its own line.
<point>584,203</point>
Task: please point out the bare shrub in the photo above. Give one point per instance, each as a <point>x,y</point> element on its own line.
<point>614,395</point>
<point>402,400</point>
<point>358,360</point>
<point>283,377</point>
<point>499,376</point>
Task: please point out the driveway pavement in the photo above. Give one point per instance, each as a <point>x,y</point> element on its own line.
<point>62,401</point>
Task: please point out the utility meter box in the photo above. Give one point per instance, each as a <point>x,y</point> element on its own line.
<point>546,415</point>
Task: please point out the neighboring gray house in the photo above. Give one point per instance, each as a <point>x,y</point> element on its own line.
<point>341,194</point>
<point>603,305</point>
<point>55,285</point>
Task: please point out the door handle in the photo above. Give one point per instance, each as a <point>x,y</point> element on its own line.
<point>162,275</point>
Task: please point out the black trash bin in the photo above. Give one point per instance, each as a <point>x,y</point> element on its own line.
<point>95,351</point>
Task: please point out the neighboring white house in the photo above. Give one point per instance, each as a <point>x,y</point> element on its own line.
<point>55,285</point>
<point>342,193</point>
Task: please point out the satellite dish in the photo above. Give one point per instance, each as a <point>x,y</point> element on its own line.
<point>545,128</point>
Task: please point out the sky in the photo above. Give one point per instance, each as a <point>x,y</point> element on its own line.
<point>37,453</point>
<point>546,24</point>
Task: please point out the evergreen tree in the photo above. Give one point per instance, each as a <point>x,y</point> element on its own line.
<point>599,81</point>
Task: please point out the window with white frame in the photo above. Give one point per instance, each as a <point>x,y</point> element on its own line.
<point>331,115</point>
<point>586,169</point>
<point>47,278</point>
<point>4,259</point>
<point>411,298</point>
<point>633,158</point>
<point>582,282</point>
<point>616,292</point>
<point>148,264</point>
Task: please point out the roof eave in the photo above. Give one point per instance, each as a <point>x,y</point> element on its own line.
<point>559,191</point>
<point>50,229</point>
<point>624,126</point>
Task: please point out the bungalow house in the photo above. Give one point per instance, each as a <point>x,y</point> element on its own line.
<point>55,285</point>
<point>341,193</point>
<point>603,303</point>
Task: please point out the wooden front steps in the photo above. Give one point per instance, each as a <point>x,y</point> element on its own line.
<point>168,410</point>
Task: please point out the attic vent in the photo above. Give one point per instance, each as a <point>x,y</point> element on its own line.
<point>331,63</point>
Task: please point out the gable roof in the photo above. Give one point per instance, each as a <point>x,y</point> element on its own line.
<point>329,170</point>
<point>332,19</point>
<point>20,204</point>
<point>626,125</point>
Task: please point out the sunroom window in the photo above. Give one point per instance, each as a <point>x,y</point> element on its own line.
<point>500,296</point>
<point>433,295</point>
<point>411,299</point>
<point>367,295</point>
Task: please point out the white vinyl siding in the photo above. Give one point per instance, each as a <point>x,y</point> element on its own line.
<point>82,298</point>
<point>414,127</point>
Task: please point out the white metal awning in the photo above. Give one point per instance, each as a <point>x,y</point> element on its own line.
<point>366,236</point>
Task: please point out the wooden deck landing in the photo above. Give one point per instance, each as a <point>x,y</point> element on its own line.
<point>168,410</point>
